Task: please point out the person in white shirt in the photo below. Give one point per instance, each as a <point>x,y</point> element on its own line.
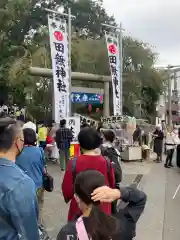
<point>170,146</point>
<point>30,124</point>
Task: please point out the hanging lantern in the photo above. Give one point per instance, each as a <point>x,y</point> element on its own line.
<point>89,108</point>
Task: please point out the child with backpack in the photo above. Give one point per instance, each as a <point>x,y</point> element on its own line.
<point>108,150</point>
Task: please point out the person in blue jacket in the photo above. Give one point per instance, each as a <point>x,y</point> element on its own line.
<point>18,202</point>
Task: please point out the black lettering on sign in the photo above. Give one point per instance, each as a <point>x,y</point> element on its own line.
<point>72,122</point>
<point>60,60</point>
<point>113,70</point>
<point>112,60</point>
<point>59,47</point>
<point>60,72</point>
<point>61,86</point>
<point>53,25</point>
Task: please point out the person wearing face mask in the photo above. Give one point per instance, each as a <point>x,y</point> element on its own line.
<point>18,203</point>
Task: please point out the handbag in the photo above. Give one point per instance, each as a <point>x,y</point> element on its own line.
<point>48,182</point>
<point>81,230</point>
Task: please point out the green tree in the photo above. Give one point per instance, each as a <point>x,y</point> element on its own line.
<point>143,83</point>
<point>19,19</point>
<point>23,41</point>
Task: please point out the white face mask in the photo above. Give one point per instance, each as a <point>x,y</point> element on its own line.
<point>176,131</point>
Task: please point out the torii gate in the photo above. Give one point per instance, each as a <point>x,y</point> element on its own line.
<point>44,72</point>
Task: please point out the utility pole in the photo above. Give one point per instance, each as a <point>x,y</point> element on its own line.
<point>69,50</point>
<point>121,64</point>
<point>170,77</point>
<point>169,99</point>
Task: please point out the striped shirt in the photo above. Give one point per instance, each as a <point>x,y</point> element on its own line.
<point>63,138</point>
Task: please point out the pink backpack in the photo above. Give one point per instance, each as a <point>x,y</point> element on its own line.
<point>81,230</point>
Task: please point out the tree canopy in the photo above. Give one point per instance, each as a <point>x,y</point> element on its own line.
<point>24,41</point>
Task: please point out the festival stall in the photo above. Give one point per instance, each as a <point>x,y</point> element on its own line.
<point>124,127</point>
<point>133,151</point>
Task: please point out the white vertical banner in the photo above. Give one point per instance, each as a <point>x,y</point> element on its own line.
<point>112,42</point>
<point>73,123</point>
<point>59,53</point>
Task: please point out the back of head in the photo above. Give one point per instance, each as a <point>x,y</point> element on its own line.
<point>29,137</point>
<point>83,187</point>
<point>29,118</point>
<point>85,124</point>
<point>89,138</point>
<point>109,135</point>
<point>99,225</point>
<point>63,123</point>
<point>8,130</point>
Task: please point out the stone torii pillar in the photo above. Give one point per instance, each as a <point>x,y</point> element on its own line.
<point>44,72</point>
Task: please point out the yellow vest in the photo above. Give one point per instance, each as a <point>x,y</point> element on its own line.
<point>18,113</point>
<point>42,134</point>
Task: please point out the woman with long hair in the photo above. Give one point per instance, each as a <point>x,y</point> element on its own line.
<point>95,224</point>
<point>98,225</point>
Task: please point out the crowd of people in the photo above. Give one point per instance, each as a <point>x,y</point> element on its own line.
<point>14,111</point>
<point>163,141</point>
<point>167,142</point>
<point>93,204</point>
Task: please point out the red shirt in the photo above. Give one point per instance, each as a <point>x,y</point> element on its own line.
<point>83,163</point>
<point>49,140</point>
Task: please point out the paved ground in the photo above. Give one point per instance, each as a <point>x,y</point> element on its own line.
<point>55,210</point>
<point>171,228</point>
<point>160,220</point>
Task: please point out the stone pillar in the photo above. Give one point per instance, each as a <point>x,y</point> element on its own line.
<point>106,99</point>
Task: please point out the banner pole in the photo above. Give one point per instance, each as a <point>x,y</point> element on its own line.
<point>121,66</point>
<point>119,37</point>
<point>68,16</point>
<point>69,50</point>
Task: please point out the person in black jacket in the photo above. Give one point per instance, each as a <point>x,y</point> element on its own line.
<point>158,136</point>
<point>131,206</point>
<point>108,150</point>
<point>63,139</point>
<point>98,225</point>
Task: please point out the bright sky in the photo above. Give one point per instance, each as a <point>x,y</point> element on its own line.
<point>153,21</point>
